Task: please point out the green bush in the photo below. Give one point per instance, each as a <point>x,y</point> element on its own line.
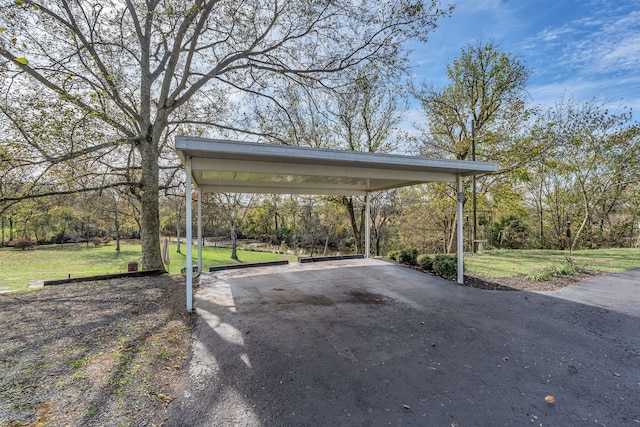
<point>568,268</point>
<point>97,241</point>
<point>408,256</point>
<point>425,262</point>
<point>22,243</point>
<point>539,276</point>
<point>446,266</point>
<point>393,255</point>
<point>510,232</point>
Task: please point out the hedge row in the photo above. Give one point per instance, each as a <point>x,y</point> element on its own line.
<point>445,266</point>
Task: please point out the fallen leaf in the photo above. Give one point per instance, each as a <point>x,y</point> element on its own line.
<point>615,374</point>
<point>162,397</point>
<point>406,406</point>
<point>549,399</point>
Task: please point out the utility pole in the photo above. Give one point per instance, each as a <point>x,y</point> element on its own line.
<point>474,236</point>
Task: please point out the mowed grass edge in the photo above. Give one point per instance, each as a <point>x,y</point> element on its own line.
<point>19,268</point>
<point>506,263</point>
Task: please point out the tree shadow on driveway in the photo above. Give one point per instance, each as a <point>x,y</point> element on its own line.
<point>293,346</point>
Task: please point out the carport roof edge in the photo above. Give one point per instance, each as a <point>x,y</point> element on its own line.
<point>248,167</point>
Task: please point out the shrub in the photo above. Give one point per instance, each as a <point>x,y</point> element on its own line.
<point>408,256</point>
<point>425,262</point>
<point>22,243</point>
<point>539,276</point>
<point>446,266</point>
<point>97,241</point>
<point>510,232</point>
<point>393,255</point>
<point>566,269</point>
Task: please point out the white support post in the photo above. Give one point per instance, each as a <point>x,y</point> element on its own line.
<point>460,233</point>
<point>189,242</point>
<point>367,225</point>
<point>199,230</point>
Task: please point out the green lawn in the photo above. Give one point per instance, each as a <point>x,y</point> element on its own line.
<point>19,268</point>
<point>504,263</point>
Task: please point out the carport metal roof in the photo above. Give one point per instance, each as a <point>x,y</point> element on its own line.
<point>245,167</point>
<point>216,165</point>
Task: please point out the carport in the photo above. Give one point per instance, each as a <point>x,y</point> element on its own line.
<point>217,166</point>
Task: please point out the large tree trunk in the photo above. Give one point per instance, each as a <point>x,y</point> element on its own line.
<point>234,242</point>
<point>150,211</point>
<point>357,231</point>
<point>117,224</point>
<point>578,234</point>
<point>326,245</point>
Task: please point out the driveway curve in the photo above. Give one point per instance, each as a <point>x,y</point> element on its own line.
<point>367,343</point>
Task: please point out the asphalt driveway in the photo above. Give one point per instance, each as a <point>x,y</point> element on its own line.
<point>368,343</point>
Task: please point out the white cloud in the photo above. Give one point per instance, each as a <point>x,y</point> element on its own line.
<point>610,43</point>
<point>588,56</point>
<point>588,51</point>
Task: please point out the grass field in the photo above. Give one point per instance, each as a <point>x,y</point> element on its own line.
<point>19,268</point>
<point>504,263</point>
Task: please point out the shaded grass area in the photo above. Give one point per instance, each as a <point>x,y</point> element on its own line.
<point>19,268</point>
<point>96,353</point>
<point>507,263</point>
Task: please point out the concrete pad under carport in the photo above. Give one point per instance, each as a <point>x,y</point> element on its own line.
<point>370,343</point>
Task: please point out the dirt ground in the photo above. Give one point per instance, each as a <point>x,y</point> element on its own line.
<point>518,283</point>
<point>112,352</point>
<point>109,352</point>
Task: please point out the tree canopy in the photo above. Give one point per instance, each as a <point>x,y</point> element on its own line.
<point>139,71</point>
<point>484,102</point>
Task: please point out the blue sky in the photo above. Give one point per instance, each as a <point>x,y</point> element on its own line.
<point>586,49</point>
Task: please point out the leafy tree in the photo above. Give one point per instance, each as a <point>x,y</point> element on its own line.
<point>235,208</point>
<point>363,114</point>
<point>596,151</point>
<point>366,118</point>
<point>510,232</point>
<point>144,68</point>
<point>479,114</point>
<point>430,233</point>
<point>383,208</point>
<point>262,220</point>
<point>483,105</point>
<point>332,225</point>
<point>310,229</point>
